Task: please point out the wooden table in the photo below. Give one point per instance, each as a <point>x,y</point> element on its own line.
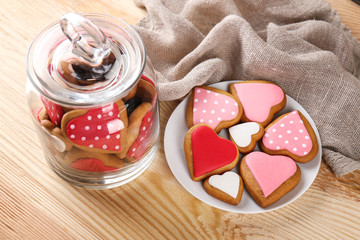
<point>36,204</point>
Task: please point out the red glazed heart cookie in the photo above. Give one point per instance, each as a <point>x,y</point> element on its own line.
<point>54,111</point>
<point>292,135</point>
<point>91,165</point>
<point>207,154</point>
<point>214,107</point>
<point>227,187</point>
<point>261,100</point>
<point>142,143</point>
<point>139,132</point>
<point>92,161</point>
<point>97,130</point>
<point>268,178</point>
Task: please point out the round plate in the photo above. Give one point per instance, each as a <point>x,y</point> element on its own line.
<point>175,131</point>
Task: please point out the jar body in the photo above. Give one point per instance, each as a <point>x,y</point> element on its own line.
<point>104,143</point>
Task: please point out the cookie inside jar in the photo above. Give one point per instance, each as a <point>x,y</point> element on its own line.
<point>78,72</point>
<point>105,139</point>
<point>95,100</point>
<point>121,131</point>
<point>141,109</point>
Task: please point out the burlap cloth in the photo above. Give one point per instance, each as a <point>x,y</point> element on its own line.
<point>299,44</point>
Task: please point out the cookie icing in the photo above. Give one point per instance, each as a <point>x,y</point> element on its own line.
<point>228,183</point>
<point>141,144</point>
<point>98,128</point>
<point>242,133</point>
<point>210,151</point>
<point>258,98</point>
<point>91,165</point>
<point>211,107</point>
<point>270,171</point>
<point>288,133</point>
<point>148,79</point>
<point>54,111</point>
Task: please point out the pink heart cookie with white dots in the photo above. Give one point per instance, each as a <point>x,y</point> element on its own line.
<point>292,135</point>
<point>98,130</point>
<point>214,107</point>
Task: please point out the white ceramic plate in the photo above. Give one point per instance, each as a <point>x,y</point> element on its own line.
<point>175,131</point>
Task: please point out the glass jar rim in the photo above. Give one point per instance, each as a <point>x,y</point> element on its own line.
<point>44,83</point>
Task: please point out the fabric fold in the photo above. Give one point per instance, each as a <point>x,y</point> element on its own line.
<point>300,45</point>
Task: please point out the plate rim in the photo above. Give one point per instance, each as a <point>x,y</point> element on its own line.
<point>230,208</point>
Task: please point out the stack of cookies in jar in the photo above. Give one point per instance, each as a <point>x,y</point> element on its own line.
<point>106,138</point>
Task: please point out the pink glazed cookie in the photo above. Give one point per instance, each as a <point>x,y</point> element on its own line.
<point>268,178</point>
<point>261,100</point>
<point>291,135</point>
<point>214,107</point>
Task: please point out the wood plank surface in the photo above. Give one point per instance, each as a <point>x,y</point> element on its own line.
<point>36,204</point>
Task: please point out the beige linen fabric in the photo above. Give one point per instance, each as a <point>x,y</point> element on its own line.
<point>299,44</point>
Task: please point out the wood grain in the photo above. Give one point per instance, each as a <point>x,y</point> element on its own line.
<point>36,204</point>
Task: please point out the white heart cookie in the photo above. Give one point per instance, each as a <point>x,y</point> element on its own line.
<point>227,183</point>
<point>242,133</point>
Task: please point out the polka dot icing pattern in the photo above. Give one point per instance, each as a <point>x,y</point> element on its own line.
<point>54,111</point>
<point>212,107</point>
<point>288,133</point>
<point>139,147</point>
<point>98,128</point>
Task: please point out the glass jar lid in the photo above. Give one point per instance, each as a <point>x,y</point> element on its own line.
<point>86,60</point>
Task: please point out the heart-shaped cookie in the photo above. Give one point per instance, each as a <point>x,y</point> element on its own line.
<point>261,100</point>
<point>146,91</point>
<point>227,187</point>
<point>92,161</point>
<point>148,80</point>
<point>55,135</point>
<point>245,135</point>
<point>268,178</point>
<point>99,130</point>
<point>292,135</point>
<point>208,154</point>
<point>214,107</point>
<point>54,111</point>
<point>91,165</point>
<point>142,142</point>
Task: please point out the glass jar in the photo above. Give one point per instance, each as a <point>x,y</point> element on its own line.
<point>92,94</point>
